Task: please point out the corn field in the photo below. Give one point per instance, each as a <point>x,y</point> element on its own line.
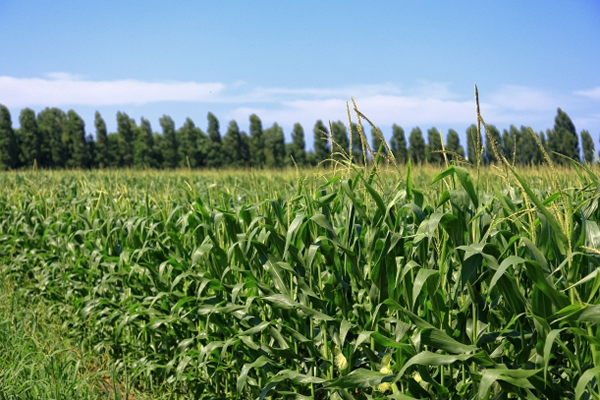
<point>352,284</point>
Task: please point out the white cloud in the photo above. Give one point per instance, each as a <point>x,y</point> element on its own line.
<point>383,110</point>
<point>522,98</point>
<point>63,76</point>
<point>593,94</point>
<point>67,89</point>
<point>424,104</point>
<point>587,121</point>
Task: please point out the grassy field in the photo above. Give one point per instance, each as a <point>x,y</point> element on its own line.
<point>347,284</point>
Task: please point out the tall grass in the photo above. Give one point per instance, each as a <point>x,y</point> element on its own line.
<point>363,283</point>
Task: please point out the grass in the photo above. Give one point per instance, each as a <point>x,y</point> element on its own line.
<point>36,359</point>
<point>408,283</point>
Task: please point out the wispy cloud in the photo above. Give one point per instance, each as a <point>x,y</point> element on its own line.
<point>66,89</point>
<point>522,98</point>
<point>593,94</point>
<point>422,104</point>
<point>381,109</point>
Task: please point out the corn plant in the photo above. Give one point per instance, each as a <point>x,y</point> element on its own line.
<point>356,284</point>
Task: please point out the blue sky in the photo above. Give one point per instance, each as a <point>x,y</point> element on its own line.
<point>405,62</point>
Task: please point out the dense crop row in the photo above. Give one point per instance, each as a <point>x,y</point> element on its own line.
<point>351,285</point>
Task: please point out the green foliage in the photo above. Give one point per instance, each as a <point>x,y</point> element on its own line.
<point>274,147</point>
<point>36,362</point>
<point>587,143</point>
<point>321,142</point>
<point>509,145</point>
<point>245,153</point>
<point>493,145</point>
<point>246,285</point>
<point>522,146</point>
<point>102,156</point>
<point>398,144</point>
<point>526,145</point>
<point>30,138</point>
<point>126,129</point>
<point>114,142</point>
<point>434,147</point>
<point>74,139</point>
<point>187,142</point>
<point>144,150</point>
<point>376,141</point>
<point>453,147</point>
<point>563,139</point>
<point>214,156</point>
<point>232,146</point>
<point>341,143</point>
<point>169,144</point>
<point>256,143</point>
<point>51,123</point>
<point>51,145</point>
<point>298,148</point>
<point>416,148</point>
<point>357,145</point>
<point>474,145</point>
<point>8,141</point>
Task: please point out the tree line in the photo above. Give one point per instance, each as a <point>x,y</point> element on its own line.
<point>53,139</point>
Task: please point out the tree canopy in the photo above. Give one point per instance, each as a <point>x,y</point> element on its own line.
<point>54,139</point>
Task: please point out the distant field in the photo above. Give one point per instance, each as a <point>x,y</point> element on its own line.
<point>421,282</point>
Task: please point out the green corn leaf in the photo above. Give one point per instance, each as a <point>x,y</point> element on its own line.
<point>260,362</point>
<point>583,381</point>
<point>548,348</point>
<point>440,340</point>
<point>422,276</point>
<point>551,220</point>
<point>287,304</point>
<point>291,375</point>
<point>431,359</point>
<point>534,270</point>
<point>360,378</point>
<point>517,378</point>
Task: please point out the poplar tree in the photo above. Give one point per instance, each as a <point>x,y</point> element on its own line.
<point>102,159</point>
<point>434,147</point>
<point>474,145</point>
<point>169,143</point>
<point>357,144</point>
<point>490,155</point>
<point>214,157</point>
<point>274,149</point>
<point>143,156</point>
<point>340,138</point>
<point>526,146</point>
<point>51,123</point>
<point>587,145</point>
<point>187,138</point>
<point>416,148</point>
<point>257,142</point>
<point>321,142</point>
<point>376,142</point>
<point>232,146</point>
<point>30,153</point>
<point>538,154</point>
<point>453,147</point>
<point>298,148</point>
<point>508,146</point>
<point>77,148</point>
<point>8,141</point>
<point>159,145</point>
<point>126,131</point>
<point>398,144</point>
<point>245,149</point>
<point>563,138</point>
